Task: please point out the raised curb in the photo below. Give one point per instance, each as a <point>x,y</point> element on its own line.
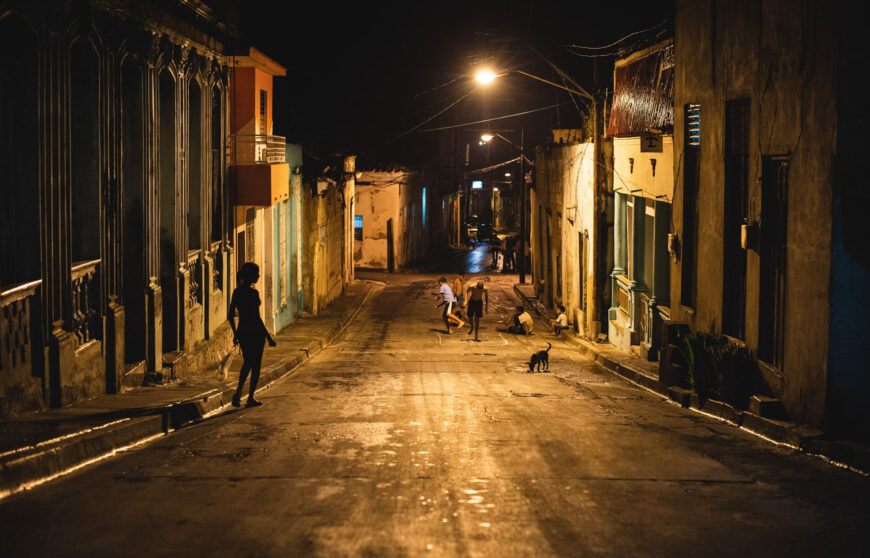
<point>852,455</point>
<point>27,468</point>
<point>41,463</point>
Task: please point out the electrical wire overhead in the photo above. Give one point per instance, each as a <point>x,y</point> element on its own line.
<point>434,116</point>
<point>621,39</point>
<point>490,119</point>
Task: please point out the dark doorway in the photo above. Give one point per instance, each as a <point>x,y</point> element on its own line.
<point>168,256</point>
<point>240,245</point>
<point>691,184</point>
<point>549,259</point>
<point>85,151</point>
<point>217,178</point>
<point>774,236</point>
<point>735,206</point>
<point>583,243</point>
<point>391,263</point>
<point>19,146</point>
<point>194,165</point>
<point>132,213</point>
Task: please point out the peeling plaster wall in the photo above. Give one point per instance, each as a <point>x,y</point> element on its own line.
<point>376,205</point>
<point>325,265</point>
<point>564,196</point>
<point>396,195</point>
<point>780,56</point>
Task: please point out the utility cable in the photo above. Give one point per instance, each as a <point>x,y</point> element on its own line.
<point>616,42</point>
<point>490,119</point>
<point>431,89</point>
<point>405,133</point>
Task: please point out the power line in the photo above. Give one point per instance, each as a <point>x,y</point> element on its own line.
<point>601,55</point>
<point>405,133</point>
<point>616,42</point>
<point>445,84</point>
<point>490,119</point>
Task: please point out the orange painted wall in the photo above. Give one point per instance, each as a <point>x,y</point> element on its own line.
<point>242,107</point>
<point>245,87</point>
<point>263,81</point>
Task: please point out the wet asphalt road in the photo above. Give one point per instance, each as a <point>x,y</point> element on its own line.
<point>400,440</point>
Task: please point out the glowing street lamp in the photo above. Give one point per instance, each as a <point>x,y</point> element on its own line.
<point>486,138</point>
<point>484,76</point>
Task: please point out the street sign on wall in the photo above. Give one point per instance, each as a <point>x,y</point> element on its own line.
<point>651,144</point>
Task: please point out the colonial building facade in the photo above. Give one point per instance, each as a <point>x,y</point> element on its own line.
<point>562,228</point>
<point>641,124</point>
<point>115,255</point>
<point>770,126</point>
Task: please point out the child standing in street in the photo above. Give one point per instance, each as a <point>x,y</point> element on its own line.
<point>459,288</point>
<point>476,297</point>
<point>251,333</point>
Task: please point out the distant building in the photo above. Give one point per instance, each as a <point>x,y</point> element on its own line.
<point>392,213</point>
<point>327,217</point>
<point>266,188</point>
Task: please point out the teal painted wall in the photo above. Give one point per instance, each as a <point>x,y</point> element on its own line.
<point>290,211</point>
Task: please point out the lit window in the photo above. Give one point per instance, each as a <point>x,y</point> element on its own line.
<point>357,227</point>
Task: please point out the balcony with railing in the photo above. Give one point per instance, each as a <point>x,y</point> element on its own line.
<point>259,170</point>
<point>257,149</point>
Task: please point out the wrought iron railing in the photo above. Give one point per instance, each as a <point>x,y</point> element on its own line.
<point>257,149</point>
<point>623,298</point>
<point>18,307</point>
<point>217,266</point>
<point>194,268</point>
<point>85,295</point>
<point>642,309</point>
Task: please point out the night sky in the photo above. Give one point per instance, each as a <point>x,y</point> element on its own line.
<point>362,75</point>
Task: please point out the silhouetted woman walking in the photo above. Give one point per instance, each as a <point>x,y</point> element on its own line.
<point>251,334</point>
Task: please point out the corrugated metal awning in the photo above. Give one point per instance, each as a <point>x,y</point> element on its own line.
<point>643,93</point>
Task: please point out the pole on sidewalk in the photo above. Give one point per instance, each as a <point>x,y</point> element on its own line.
<point>521,259</point>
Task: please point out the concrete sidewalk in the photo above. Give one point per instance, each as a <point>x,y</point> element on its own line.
<point>38,447</point>
<point>848,453</point>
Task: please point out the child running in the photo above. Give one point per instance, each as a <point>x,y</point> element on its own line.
<point>448,301</point>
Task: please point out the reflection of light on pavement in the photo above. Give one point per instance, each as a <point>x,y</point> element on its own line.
<point>475,261</point>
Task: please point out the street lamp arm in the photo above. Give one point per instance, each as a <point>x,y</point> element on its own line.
<point>574,91</point>
<point>509,141</point>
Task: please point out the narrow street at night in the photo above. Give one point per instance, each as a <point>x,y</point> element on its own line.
<point>246,245</point>
<point>401,440</point>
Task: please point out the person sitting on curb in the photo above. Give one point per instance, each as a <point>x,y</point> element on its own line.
<point>521,322</point>
<point>561,322</point>
<point>448,301</point>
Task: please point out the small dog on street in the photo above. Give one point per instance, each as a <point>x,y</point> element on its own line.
<point>540,358</point>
